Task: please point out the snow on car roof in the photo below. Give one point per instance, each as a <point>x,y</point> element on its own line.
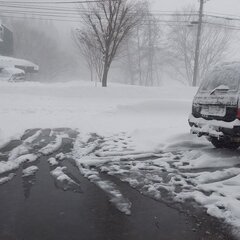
<point>13,70</point>
<point>224,74</point>
<point>12,62</point>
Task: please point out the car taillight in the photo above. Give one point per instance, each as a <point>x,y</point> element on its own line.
<point>238,113</point>
<point>196,108</point>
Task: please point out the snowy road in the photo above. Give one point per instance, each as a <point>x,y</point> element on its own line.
<point>61,184</point>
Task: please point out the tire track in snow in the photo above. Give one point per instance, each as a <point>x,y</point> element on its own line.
<point>174,176</point>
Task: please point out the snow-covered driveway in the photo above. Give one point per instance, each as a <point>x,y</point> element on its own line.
<point>42,157</point>
<point>182,171</point>
<point>139,135</point>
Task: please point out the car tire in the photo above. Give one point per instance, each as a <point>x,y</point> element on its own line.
<point>217,143</point>
<point>220,143</point>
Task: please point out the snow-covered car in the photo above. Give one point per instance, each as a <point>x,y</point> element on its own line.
<point>216,107</point>
<point>12,74</point>
<point>10,62</point>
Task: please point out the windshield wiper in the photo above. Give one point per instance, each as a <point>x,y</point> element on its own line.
<point>220,88</point>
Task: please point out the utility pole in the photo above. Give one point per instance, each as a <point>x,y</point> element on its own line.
<point>197,50</point>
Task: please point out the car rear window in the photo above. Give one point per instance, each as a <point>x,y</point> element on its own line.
<point>229,77</point>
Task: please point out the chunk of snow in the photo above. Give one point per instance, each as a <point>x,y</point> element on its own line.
<point>59,174</point>
<point>13,164</point>
<point>16,152</point>
<point>52,161</point>
<point>53,146</point>
<point>7,178</point>
<point>60,156</point>
<point>33,137</point>
<point>29,171</point>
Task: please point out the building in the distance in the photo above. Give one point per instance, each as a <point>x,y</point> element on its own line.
<point>11,68</point>
<point>6,41</point>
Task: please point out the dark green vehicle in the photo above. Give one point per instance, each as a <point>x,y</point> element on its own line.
<point>216,107</point>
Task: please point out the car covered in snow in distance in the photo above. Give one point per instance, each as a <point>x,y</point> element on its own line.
<point>15,69</point>
<point>12,74</point>
<point>216,107</point>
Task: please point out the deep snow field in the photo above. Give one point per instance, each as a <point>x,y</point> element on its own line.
<point>151,115</point>
<point>130,124</point>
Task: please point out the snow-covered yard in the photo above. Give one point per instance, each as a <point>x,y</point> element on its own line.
<point>151,115</point>
<point>140,135</point>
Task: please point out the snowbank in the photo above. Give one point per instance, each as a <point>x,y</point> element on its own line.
<point>151,115</point>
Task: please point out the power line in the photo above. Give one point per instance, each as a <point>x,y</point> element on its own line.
<point>65,15</point>
<point>160,22</point>
<point>55,14</point>
<point>53,2</point>
<point>74,21</point>
<point>77,10</point>
<point>73,14</point>
<point>48,8</point>
<point>42,19</point>
<point>32,4</point>
<point>62,18</point>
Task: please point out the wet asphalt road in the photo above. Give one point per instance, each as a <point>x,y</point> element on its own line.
<point>38,208</point>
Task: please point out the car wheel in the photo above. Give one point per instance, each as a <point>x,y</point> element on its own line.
<point>217,143</point>
<point>220,143</point>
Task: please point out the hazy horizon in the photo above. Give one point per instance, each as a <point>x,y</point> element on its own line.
<point>219,6</point>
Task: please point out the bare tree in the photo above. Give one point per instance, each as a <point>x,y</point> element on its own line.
<point>88,48</point>
<point>182,39</point>
<point>109,23</point>
<point>152,39</point>
<point>143,51</point>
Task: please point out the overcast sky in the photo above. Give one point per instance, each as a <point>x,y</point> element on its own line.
<point>221,6</point>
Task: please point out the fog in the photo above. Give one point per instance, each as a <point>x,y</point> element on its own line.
<point>64,61</point>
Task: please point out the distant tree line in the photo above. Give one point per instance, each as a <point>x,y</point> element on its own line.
<point>123,41</point>
<point>146,52</point>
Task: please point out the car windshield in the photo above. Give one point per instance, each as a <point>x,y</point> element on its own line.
<point>229,77</point>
